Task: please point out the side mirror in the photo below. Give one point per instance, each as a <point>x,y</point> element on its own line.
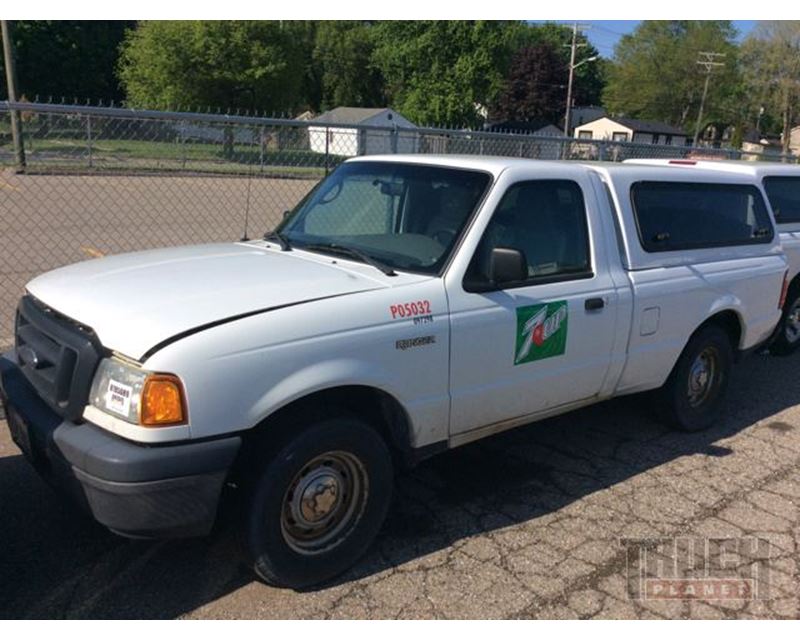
<point>507,265</point>
<point>286,214</point>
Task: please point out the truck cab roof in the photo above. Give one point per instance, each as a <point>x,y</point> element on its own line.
<point>639,170</point>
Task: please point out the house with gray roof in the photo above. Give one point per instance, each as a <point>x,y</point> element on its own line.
<point>356,131</point>
<point>630,130</point>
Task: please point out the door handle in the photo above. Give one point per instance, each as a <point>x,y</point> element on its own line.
<point>594,304</point>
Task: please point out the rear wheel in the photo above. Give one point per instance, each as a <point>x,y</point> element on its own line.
<point>788,339</point>
<point>318,503</point>
<point>692,397</point>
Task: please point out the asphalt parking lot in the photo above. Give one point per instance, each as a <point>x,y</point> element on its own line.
<point>48,221</point>
<point>528,524</point>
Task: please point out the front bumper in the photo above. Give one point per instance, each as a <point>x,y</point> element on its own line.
<point>134,490</point>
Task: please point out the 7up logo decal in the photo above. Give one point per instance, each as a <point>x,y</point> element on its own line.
<point>541,331</point>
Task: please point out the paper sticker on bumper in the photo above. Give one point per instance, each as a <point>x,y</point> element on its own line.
<point>118,397</point>
<point>541,331</point>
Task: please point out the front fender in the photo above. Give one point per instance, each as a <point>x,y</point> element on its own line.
<point>321,376</point>
<point>238,374</point>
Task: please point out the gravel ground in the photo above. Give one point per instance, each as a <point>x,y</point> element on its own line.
<point>528,524</point>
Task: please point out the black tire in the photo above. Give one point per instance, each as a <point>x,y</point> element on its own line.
<point>787,339</point>
<point>693,395</point>
<point>325,460</point>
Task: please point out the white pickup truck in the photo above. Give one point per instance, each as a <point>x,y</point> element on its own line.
<point>781,183</point>
<point>407,305</point>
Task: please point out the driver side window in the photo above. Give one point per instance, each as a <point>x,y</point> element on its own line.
<point>545,220</point>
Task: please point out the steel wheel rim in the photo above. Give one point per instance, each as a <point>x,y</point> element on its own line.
<point>324,502</point>
<point>792,326</point>
<point>703,376</point>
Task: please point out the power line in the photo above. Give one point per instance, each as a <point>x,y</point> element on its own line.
<point>604,39</point>
<point>605,49</point>
<point>607,30</point>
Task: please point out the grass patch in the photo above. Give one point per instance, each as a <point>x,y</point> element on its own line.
<point>142,149</point>
<point>75,155</point>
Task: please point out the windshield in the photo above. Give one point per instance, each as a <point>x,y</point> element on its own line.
<point>405,216</point>
<point>784,196</point>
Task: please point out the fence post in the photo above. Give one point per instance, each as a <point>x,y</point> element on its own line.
<point>601,151</point>
<point>327,148</point>
<point>183,127</point>
<point>11,83</point>
<point>89,139</point>
<point>393,136</point>
<point>228,141</point>
<point>262,141</point>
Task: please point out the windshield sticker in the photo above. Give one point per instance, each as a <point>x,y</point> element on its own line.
<point>541,331</point>
<point>408,343</point>
<point>410,309</point>
<point>118,397</point>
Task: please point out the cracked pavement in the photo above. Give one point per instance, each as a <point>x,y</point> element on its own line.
<point>527,524</point>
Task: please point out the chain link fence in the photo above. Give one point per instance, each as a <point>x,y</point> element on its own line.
<point>102,180</point>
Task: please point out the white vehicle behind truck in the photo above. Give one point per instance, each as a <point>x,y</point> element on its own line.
<point>781,183</point>
<point>408,305</point>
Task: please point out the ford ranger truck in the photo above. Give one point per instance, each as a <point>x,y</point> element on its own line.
<point>781,182</point>
<point>407,305</point>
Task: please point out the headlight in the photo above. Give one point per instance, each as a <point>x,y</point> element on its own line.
<point>138,396</point>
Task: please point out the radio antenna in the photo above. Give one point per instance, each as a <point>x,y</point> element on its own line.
<point>247,207</point>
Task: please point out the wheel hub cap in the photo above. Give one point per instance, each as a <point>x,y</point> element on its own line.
<point>793,323</point>
<point>319,497</point>
<point>324,502</point>
<point>701,377</point>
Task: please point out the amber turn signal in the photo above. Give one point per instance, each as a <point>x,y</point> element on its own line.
<point>162,401</point>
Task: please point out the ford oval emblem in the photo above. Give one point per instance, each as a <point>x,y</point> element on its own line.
<point>28,356</point>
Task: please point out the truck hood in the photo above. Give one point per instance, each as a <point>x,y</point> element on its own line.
<point>136,301</point>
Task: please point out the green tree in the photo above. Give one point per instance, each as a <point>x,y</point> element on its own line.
<point>771,61</point>
<point>536,84</point>
<point>536,87</point>
<point>343,65</point>
<point>655,74</point>
<point>67,59</point>
<point>230,64</point>
<point>589,81</point>
<point>443,71</point>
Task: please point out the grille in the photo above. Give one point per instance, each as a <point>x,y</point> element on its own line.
<point>57,355</point>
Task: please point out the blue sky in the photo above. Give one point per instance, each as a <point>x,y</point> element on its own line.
<point>604,34</point>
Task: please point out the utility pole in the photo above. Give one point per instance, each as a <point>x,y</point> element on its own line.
<point>11,83</point>
<point>708,60</point>
<point>572,66</point>
<point>573,48</point>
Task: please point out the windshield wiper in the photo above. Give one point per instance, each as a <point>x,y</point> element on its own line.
<point>355,253</point>
<point>278,237</point>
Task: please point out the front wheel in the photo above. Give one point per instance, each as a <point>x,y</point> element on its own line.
<point>318,503</point>
<point>788,339</point>
<point>693,395</point>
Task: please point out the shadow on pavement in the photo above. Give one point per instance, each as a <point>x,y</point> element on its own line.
<point>56,563</point>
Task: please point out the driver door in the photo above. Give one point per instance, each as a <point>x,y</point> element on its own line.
<point>544,342</point>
